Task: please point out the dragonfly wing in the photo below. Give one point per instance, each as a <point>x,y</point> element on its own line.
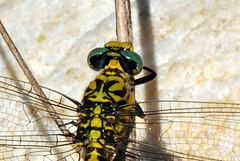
<point>188,130</point>
<point>27,131</point>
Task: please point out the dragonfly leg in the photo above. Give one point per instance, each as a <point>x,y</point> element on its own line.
<point>139,111</point>
<point>146,78</point>
<point>69,123</point>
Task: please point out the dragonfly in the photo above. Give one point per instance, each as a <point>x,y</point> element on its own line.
<point>150,130</point>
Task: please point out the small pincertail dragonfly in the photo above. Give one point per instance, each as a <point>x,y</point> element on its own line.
<point>109,124</point>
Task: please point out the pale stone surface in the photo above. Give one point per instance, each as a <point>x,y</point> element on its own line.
<point>196,45</point>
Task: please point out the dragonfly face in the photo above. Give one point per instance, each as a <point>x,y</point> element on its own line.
<point>126,59</point>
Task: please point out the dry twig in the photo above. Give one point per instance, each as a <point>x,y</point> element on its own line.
<point>123,21</point>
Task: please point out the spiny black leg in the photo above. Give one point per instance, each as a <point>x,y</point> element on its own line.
<point>139,110</point>
<point>73,100</point>
<point>69,123</point>
<point>147,78</point>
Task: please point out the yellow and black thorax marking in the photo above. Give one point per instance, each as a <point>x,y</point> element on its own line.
<point>105,118</point>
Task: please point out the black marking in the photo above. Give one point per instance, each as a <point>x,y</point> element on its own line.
<point>118,73</point>
<point>119,93</point>
<point>145,79</point>
<point>109,84</point>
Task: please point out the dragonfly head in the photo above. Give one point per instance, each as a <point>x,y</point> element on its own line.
<point>118,53</point>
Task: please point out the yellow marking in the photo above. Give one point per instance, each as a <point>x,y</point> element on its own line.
<point>135,72</point>
<point>110,147</point>
<point>82,114</point>
<point>110,117</point>
<point>100,93</point>
<point>122,75</point>
<point>107,127</point>
<point>116,78</point>
<point>91,114</point>
<point>87,93</point>
<point>102,141</point>
<point>95,134</point>
<point>131,100</point>
<point>94,155</point>
<point>102,100</point>
<point>91,95</point>
<point>99,96</point>
<point>93,85</point>
<point>79,144</point>
<point>116,98</point>
<point>119,126</point>
<point>97,110</point>
<point>117,45</point>
<point>93,158</point>
<point>85,125</point>
<point>96,122</point>
<point>116,87</point>
<point>112,73</point>
<point>114,64</point>
<point>106,96</point>
<point>113,54</point>
<point>101,77</point>
<point>95,144</point>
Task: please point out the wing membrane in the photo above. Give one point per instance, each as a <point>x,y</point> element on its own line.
<point>190,130</point>
<point>26,129</point>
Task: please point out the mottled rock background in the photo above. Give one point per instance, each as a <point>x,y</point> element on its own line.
<point>192,45</point>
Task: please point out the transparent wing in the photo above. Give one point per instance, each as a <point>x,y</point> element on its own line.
<point>171,130</point>
<point>185,130</point>
<point>27,132</point>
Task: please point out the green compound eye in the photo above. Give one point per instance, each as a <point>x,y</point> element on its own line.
<point>135,61</point>
<point>96,58</point>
